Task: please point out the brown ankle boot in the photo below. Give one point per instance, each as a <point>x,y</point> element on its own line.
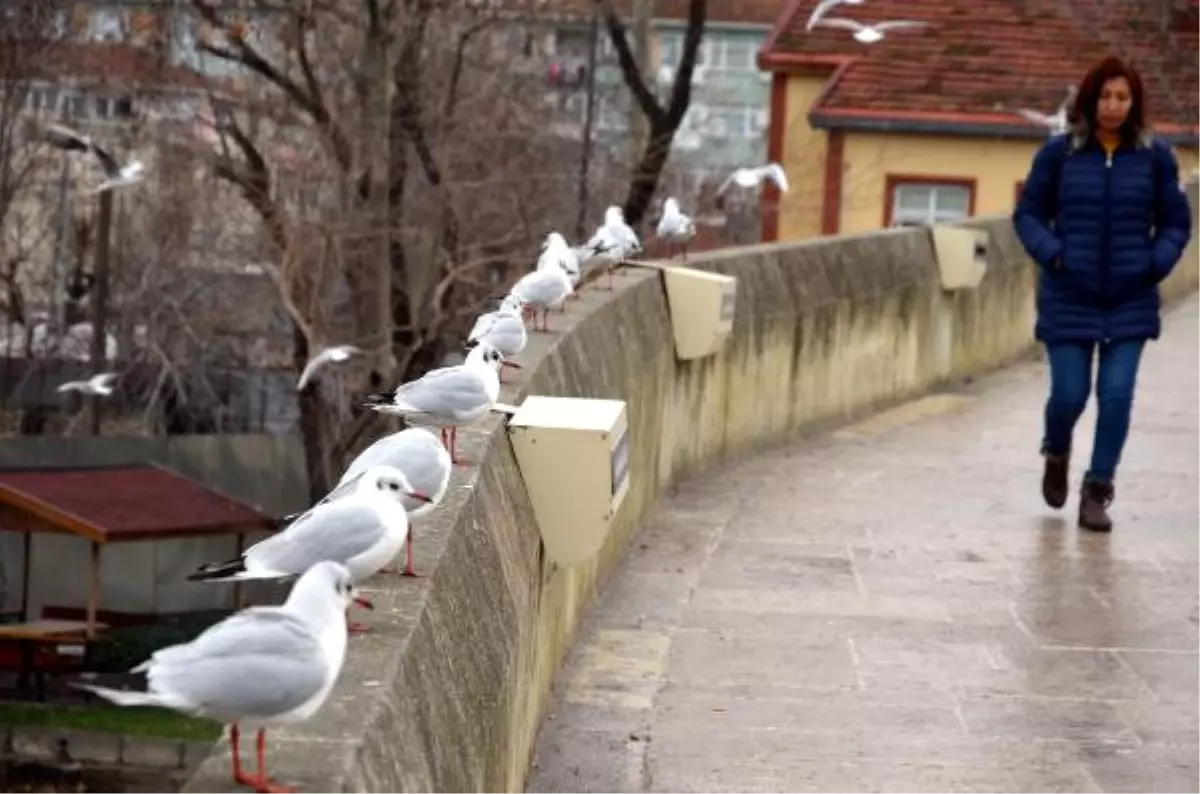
<point>1094,499</point>
<point>1054,479</point>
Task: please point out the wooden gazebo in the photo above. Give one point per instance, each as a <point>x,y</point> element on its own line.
<point>115,504</point>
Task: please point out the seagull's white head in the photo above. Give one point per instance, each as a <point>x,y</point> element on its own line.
<point>512,304</point>
<point>613,215</point>
<point>391,483</point>
<point>670,206</point>
<point>556,241</point>
<point>484,355</point>
<point>324,592</point>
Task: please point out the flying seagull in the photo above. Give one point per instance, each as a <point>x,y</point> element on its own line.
<point>100,385</point>
<point>115,174</point>
<point>869,34</point>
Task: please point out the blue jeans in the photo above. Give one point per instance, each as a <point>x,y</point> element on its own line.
<point>1070,384</point>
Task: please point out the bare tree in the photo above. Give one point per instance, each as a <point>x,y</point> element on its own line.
<point>663,121</point>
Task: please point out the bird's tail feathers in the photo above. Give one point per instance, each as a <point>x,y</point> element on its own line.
<point>121,697</point>
<point>219,571</point>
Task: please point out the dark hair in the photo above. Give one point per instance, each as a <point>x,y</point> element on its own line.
<point>1088,96</point>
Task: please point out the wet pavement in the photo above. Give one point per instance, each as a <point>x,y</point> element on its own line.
<point>891,607</point>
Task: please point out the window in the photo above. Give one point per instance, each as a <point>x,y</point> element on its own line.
<point>670,48</point>
<point>105,24</point>
<point>918,201</point>
<point>733,54</point>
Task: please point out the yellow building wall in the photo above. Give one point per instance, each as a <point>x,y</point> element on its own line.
<point>803,159</point>
<point>996,165</point>
<point>868,158</point>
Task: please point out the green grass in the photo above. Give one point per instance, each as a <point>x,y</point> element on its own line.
<point>139,721</point>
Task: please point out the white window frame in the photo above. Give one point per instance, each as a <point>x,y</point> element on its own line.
<point>902,216</point>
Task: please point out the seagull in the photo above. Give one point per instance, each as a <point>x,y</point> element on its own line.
<point>503,329</point>
<point>265,666</point>
<point>556,253</point>
<point>753,177</point>
<point>824,7</point>
<point>363,531</point>
<point>675,227</point>
<point>334,355</point>
<point>447,397</point>
<point>543,289</point>
<point>425,462</point>
<point>614,240</point>
<point>116,175</point>
<point>100,385</point>
<point>869,34</point>
<point>1057,123</point>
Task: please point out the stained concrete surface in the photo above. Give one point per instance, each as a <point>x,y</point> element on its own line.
<point>891,607</point>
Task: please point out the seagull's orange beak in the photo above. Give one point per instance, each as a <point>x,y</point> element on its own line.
<point>420,496</point>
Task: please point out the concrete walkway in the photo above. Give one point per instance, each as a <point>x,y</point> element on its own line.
<point>892,608</point>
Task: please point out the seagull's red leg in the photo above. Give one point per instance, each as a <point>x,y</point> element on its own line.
<point>408,561</point>
<point>454,459</point>
<point>353,626</point>
<point>263,785</point>
<point>239,776</point>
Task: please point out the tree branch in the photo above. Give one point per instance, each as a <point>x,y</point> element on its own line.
<point>629,66</point>
<point>311,103</point>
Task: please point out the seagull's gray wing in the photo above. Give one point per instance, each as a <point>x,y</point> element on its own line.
<point>257,664</point>
<point>416,452</point>
<point>337,531</point>
<point>240,633</point>
<point>445,392</point>
<point>63,137</point>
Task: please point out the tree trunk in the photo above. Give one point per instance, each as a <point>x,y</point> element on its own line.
<point>649,169</point>
<point>314,427</point>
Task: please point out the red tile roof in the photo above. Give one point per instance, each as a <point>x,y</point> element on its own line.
<point>102,62</point>
<point>124,503</point>
<point>981,57</point>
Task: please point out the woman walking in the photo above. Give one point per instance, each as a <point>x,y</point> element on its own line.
<point>1103,215</point>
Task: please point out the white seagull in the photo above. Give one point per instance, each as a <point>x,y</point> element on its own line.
<point>447,397</point>
<point>754,177</point>
<point>116,175</point>
<point>869,34</point>
<point>614,240</point>
<point>100,385</point>
<point>1057,123</point>
<point>556,253</point>
<point>264,666</point>
<point>544,290</point>
<point>503,329</point>
<point>330,355</point>
<point>675,227</point>
<point>364,531</point>
<point>424,461</point>
<point>824,7</point>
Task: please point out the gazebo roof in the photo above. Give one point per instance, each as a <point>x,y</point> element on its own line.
<point>116,504</point>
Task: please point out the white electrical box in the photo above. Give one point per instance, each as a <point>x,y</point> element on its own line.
<point>574,457</point>
<point>961,255</point>
<point>702,306</point>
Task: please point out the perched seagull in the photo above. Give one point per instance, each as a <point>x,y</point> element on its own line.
<point>448,397</point>
<point>556,253</point>
<point>753,177</point>
<point>100,385</point>
<point>503,329</point>
<point>264,666</point>
<point>363,531</point>
<point>330,355</point>
<point>1057,123</point>
<point>824,7</point>
<point>614,240</point>
<point>675,227</point>
<point>869,34</point>
<point>116,175</point>
<point>425,462</point>
<point>544,290</point>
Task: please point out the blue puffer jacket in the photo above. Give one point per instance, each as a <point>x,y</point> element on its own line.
<point>1104,232</point>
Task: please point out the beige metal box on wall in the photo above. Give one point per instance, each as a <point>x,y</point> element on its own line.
<point>574,457</point>
<point>702,306</point>
<point>961,255</point>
